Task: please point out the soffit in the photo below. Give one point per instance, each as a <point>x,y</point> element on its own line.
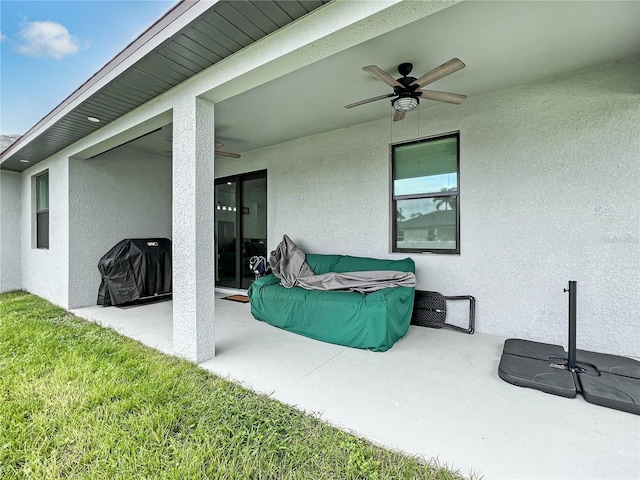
<point>503,44</point>
<point>226,28</point>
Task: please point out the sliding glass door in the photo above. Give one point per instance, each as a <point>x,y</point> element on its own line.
<point>241,213</point>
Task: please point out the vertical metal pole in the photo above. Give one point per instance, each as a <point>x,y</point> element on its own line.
<point>573,287</point>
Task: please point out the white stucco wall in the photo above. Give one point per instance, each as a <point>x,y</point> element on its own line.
<point>549,193</point>
<point>45,272</point>
<point>10,234</point>
<point>120,194</point>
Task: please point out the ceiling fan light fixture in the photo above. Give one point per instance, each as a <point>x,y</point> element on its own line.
<point>409,90</point>
<point>404,103</point>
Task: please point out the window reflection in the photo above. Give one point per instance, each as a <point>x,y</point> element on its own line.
<point>427,223</point>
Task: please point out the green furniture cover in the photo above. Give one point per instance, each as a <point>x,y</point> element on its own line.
<point>374,321</point>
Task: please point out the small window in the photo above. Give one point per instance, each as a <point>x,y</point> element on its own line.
<point>425,195</point>
<point>42,210</point>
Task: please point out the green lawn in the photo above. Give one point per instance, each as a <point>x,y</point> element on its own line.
<point>80,401</point>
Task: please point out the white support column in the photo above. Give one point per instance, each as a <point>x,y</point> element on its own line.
<point>193,230</point>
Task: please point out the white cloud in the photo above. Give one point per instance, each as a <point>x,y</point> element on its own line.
<point>47,39</point>
<point>3,37</point>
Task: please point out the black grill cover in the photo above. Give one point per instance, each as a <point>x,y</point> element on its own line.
<point>135,268</point>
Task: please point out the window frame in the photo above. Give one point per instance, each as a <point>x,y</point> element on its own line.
<point>396,198</point>
<point>39,212</point>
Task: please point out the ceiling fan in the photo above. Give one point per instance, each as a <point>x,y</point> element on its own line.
<point>219,153</point>
<point>408,90</point>
<point>216,145</point>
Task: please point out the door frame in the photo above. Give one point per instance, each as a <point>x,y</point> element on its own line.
<point>238,179</point>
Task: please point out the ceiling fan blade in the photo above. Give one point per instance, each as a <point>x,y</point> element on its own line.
<point>443,96</point>
<point>382,75</point>
<point>368,100</point>
<point>437,73</point>
<point>397,116</point>
<point>218,144</point>
<point>226,154</point>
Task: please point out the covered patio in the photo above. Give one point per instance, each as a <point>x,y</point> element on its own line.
<point>436,393</point>
<point>548,192</point>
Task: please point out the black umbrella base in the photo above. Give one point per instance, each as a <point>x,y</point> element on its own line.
<point>608,380</point>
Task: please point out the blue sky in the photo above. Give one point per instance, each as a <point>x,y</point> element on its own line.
<point>49,48</point>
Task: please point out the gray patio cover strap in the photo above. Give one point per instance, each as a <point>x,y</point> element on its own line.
<point>288,263</point>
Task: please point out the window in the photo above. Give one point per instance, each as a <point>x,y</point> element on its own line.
<point>425,195</point>
<point>42,210</point>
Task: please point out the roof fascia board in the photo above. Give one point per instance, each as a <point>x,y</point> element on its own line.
<point>168,25</point>
<point>330,29</point>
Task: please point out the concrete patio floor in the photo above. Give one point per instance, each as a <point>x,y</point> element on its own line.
<point>436,394</point>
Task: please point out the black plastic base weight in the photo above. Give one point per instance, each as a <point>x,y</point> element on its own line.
<point>608,380</point>
<point>535,365</point>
